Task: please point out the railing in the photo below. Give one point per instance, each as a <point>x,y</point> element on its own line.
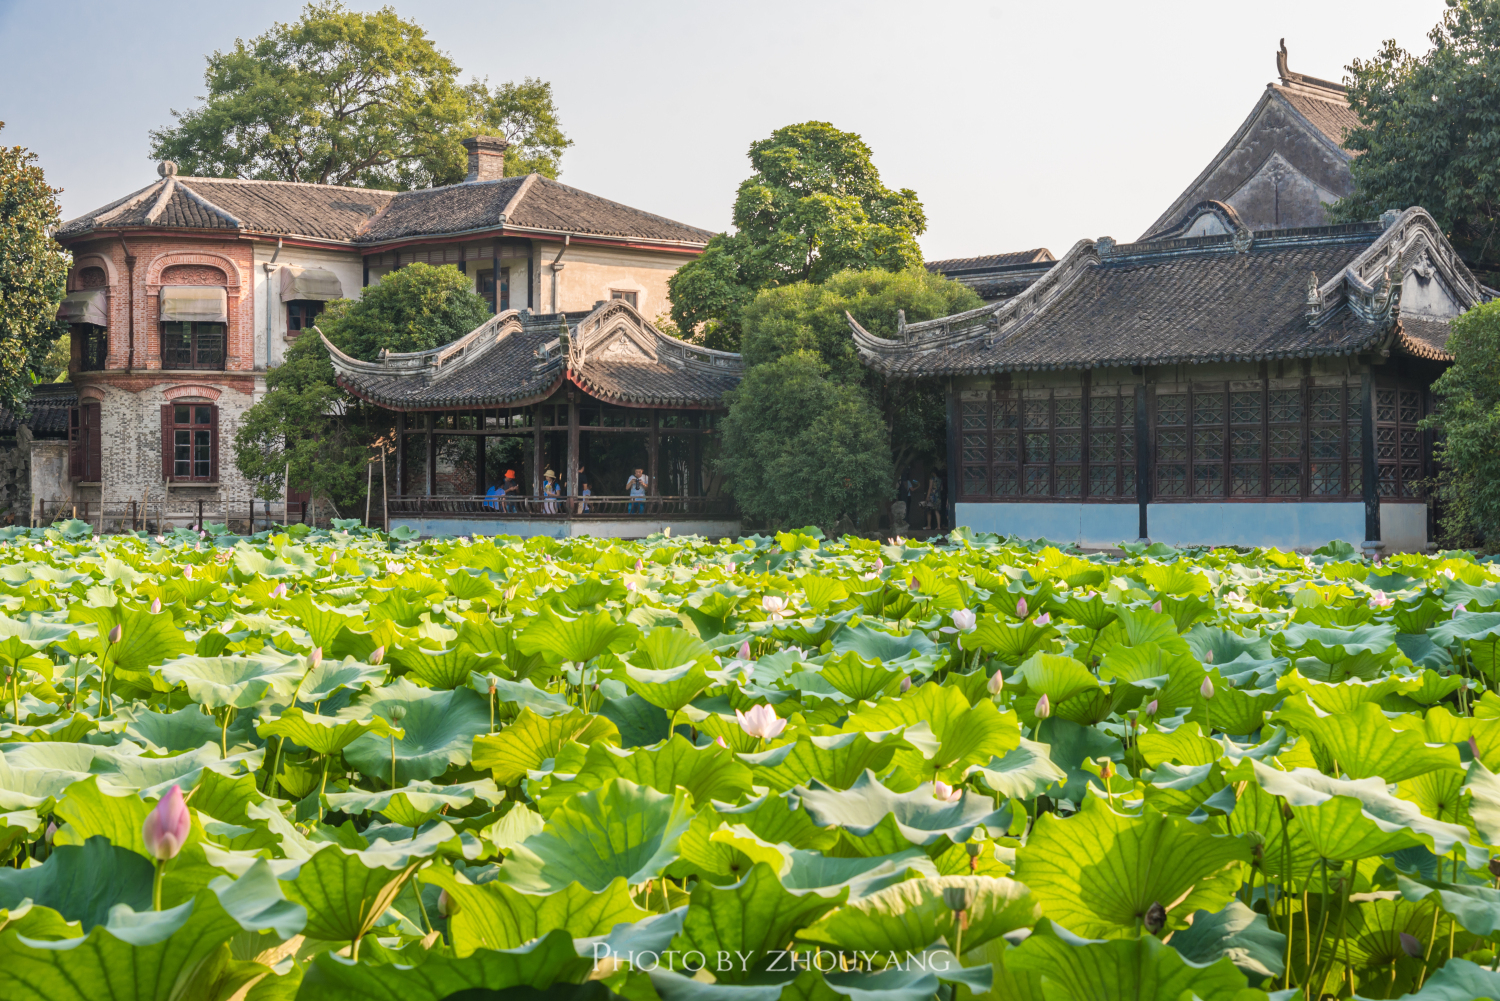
<point>480,506</point>
<point>111,517</point>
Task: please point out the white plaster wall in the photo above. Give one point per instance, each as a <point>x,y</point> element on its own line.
<point>1403,527</point>
<point>1094,526</point>
<point>348,265</point>
<point>1284,524</point>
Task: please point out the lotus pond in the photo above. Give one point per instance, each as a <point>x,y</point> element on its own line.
<point>345,765</point>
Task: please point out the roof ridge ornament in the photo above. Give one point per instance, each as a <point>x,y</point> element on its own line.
<point>1314,296</point>
<point>1244,239</point>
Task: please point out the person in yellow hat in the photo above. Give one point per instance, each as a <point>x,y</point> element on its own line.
<point>550,492</point>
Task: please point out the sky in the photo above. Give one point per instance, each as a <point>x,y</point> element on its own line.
<point>1019,125</point>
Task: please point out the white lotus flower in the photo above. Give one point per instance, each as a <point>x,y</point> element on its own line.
<point>943,791</point>
<point>776,607</point>
<point>761,721</point>
<point>964,619</point>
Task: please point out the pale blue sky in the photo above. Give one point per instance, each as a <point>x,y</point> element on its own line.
<point>1018,124</point>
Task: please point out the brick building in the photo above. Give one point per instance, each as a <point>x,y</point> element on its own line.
<point>183,295</point>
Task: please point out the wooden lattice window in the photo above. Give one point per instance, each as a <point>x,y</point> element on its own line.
<point>1398,440</point>
<point>1111,443</point>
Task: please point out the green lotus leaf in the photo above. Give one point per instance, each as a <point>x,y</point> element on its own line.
<point>1023,772</point>
<point>663,649</point>
<point>918,816</point>
<point>1475,908</point>
<point>346,890</point>
<point>1185,745</point>
<point>147,955</point>
<point>23,788</point>
<point>1148,671</point>
<point>471,586</point>
<point>1013,642</point>
<point>187,729</point>
<point>332,675</point>
<point>1356,818</point>
<point>1058,678</point>
<point>911,915</point>
<point>753,920</point>
<point>1459,980</point>
<point>1365,745</point>
<point>531,739</point>
<point>1356,652</point>
<point>1289,858</point>
<point>808,870</point>
<point>446,668</point>
<point>1483,787</point>
<point>880,646</point>
<point>415,803</point>
<point>1373,925</point>
<point>779,819</point>
<point>521,693</point>
<point>322,622</point>
<point>922,977</point>
<point>558,638</point>
<point>860,679</point>
<point>145,639</point>
<point>153,776</point>
<point>671,689</point>
<point>1238,933</point>
<point>1470,627</point>
<point>618,830</point>
<point>966,735</point>
<point>70,728</point>
<point>1184,790</point>
<point>836,760</point>
<point>1348,695</point>
<point>542,965</point>
<point>1099,871</point>
<point>1069,746</point>
<point>81,883</point>
<point>1080,969</point>
<point>240,682</point>
<point>495,915</point>
<point>709,772</point>
<point>323,734</point>
<point>438,731</point>
<point>640,723</point>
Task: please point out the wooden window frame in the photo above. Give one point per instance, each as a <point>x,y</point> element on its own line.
<point>85,448</point>
<point>194,364</point>
<point>301,310</point>
<point>93,346</point>
<point>171,425</point>
<point>1400,445</point>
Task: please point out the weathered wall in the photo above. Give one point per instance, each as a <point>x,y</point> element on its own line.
<point>48,473</point>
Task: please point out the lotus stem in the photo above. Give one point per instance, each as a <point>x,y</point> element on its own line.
<point>271,782</point>
<point>156,885</point>
<point>421,904</point>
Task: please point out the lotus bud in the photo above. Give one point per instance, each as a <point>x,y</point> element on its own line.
<point>916,585</point>
<point>639,566</point>
<point>167,826</point>
<point>905,685</point>
<point>377,655</point>
<point>51,831</point>
<point>1043,619</point>
<point>1156,605</point>
<point>1287,813</point>
<point>964,619</point>
<point>745,650</point>
<point>447,906</point>
<point>1043,707</point>
<point>630,585</point>
<point>943,791</point>
<point>761,721</point>
<point>315,658</point>
<point>116,634</point>
<point>1462,606</point>
<point>279,591</point>
<point>879,564</point>
<point>398,713</point>
<point>1208,658</point>
<point>1410,945</point>
<point>1021,608</point>
<point>719,741</point>
<point>187,573</point>
<point>1151,707</point>
<point>958,898</point>
<point>1155,918</point>
<point>996,684</point>
<point>1207,688</point>
<point>1474,748</point>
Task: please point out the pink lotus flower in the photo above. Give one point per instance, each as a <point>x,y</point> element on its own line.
<point>1462,606</point>
<point>1151,708</point>
<point>1381,600</point>
<point>943,791</point>
<point>279,591</point>
<point>745,650</point>
<point>916,585</point>
<point>377,655</point>
<point>761,721</point>
<point>1207,688</point>
<point>996,684</point>
<point>116,634</point>
<point>964,619</point>
<point>1021,608</point>
<point>187,573</point>
<point>879,564</point>
<point>167,826</point>
<point>1156,605</point>
<point>639,566</point>
<point>315,658</point>
<point>1043,707</point>
<point>1043,619</point>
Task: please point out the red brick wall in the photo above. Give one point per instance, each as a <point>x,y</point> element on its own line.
<point>192,274</point>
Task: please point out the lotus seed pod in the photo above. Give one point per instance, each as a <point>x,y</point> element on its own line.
<point>1494,867</point>
<point>958,898</point>
<point>1043,707</point>
<point>116,634</point>
<point>1155,918</point>
<point>398,713</point>
<point>972,847</point>
<point>1106,769</point>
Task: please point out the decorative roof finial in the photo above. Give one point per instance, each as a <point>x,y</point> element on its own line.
<point>1314,295</point>
<point>166,168</point>
<point>1281,67</point>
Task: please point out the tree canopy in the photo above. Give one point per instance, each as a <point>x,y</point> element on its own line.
<point>325,434</point>
<point>801,448</point>
<point>1429,128</point>
<point>814,207</point>
<point>347,97</point>
<point>33,273</point>
<point>1468,419</point>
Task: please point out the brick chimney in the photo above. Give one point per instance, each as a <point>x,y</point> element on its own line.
<point>486,158</point>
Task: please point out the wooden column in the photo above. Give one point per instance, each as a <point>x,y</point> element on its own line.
<point>954,426</point>
<point>572,474</point>
<point>1367,456</point>
<point>654,450</point>
<point>1142,457</point>
<point>536,449</point>
<point>495,264</point>
<point>431,454</point>
<point>401,452</point>
<point>479,477</point>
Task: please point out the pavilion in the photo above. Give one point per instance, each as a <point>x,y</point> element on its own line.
<point>590,396</point>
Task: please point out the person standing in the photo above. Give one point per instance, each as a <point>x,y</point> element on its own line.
<point>934,502</point>
<point>549,492</point>
<point>636,487</point>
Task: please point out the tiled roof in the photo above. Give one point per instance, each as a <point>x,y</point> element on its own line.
<point>612,353</point>
<point>49,406</point>
<point>1240,297</point>
<point>1425,337</point>
<point>988,262</point>
<point>370,216</point>
<point>1331,115</point>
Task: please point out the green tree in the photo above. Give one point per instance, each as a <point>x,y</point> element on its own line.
<point>33,273</point>
<point>1429,128</point>
<point>1468,419</point>
<point>801,448</point>
<point>814,207</point>
<point>325,434</point>
<point>808,317</point>
<point>347,97</point>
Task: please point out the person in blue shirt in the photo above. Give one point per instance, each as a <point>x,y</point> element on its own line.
<point>636,487</point>
<point>492,497</point>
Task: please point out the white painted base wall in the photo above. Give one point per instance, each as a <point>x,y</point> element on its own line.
<point>597,528</point>
<point>1286,525</point>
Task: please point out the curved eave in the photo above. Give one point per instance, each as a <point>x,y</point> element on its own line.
<point>448,403</point>
<point>641,400</point>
